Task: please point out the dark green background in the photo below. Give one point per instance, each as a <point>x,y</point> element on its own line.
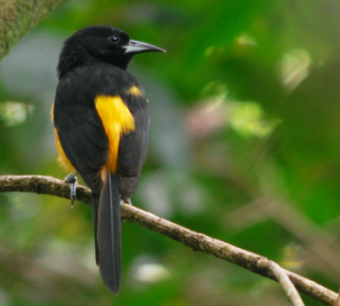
<point>245,143</point>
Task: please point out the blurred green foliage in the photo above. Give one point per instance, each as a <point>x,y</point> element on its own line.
<point>245,143</point>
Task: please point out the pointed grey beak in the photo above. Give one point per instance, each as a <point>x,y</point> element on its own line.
<point>137,47</point>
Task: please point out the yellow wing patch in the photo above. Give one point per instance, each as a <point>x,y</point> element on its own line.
<point>117,121</point>
<point>135,91</point>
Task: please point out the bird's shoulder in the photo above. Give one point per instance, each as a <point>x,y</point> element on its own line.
<point>78,90</point>
<point>98,78</point>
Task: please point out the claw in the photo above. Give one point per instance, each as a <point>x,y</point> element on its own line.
<point>73,182</point>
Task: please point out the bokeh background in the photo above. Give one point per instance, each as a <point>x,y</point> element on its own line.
<point>245,147</point>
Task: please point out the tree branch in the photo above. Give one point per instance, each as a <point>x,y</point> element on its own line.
<point>197,241</point>
<point>17,17</point>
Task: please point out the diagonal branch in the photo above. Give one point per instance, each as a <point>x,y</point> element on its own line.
<point>197,241</point>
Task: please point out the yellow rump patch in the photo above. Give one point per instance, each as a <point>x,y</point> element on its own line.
<point>117,121</point>
<point>135,91</point>
<point>52,113</point>
<point>62,159</point>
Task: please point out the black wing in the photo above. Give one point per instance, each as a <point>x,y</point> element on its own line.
<point>80,130</point>
<point>133,147</point>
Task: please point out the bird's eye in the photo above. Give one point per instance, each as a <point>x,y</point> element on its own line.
<point>114,39</point>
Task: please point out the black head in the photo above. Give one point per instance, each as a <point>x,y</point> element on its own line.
<point>100,44</point>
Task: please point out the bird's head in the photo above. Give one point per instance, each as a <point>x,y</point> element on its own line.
<point>100,44</point>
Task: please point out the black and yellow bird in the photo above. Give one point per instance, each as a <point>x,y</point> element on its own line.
<point>101,123</point>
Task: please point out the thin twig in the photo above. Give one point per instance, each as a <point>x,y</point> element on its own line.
<point>285,282</point>
<point>197,241</point>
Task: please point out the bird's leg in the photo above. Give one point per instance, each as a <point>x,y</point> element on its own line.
<point>72,180</point>
<point>127,201</point>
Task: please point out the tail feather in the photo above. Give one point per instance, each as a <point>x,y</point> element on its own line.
<point>108,235</point>
<point>95,206</point>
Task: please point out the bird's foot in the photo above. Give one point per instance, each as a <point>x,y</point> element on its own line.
<point>127,201</point>
<point>72,180</point>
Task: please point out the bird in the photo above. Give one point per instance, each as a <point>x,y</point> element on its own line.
<point>101,123</point>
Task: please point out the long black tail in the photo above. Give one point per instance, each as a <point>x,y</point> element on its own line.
<point>95,206</point>
<point>108,234</point>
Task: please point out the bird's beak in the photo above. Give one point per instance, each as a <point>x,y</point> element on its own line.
<point>137,47</point>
